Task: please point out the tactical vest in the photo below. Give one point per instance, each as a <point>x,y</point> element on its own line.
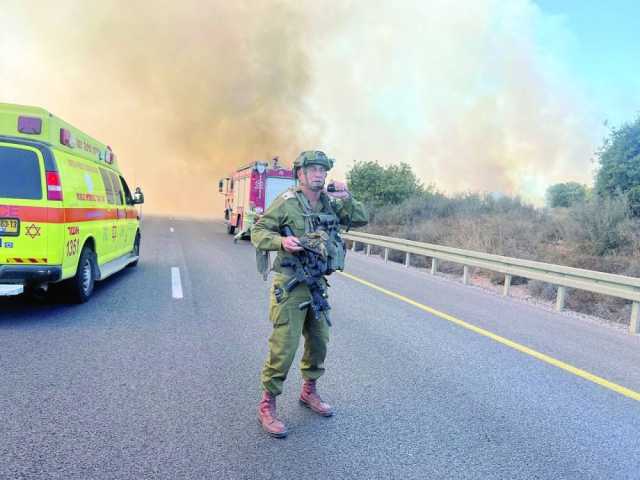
<point>323,232</point>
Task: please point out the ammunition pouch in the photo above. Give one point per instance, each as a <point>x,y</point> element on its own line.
<point>328,247</point>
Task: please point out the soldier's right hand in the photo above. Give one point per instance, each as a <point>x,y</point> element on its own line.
<point>291,244</point>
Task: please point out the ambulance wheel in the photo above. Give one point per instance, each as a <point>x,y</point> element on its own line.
<point>136,250</point>
<point>231,229</point>
<point>81,286</point>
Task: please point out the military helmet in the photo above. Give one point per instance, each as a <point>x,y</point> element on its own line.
<point>312,157</point>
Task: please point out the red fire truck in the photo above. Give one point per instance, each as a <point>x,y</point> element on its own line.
<point>253,186</point>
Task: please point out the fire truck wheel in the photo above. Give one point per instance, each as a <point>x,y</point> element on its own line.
<point>81,286</point>
<point>231,229</point>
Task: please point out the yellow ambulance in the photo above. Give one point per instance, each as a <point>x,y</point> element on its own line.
<point>66,212</point>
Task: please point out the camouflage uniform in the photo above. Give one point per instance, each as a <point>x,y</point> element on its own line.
<point>289,322</point>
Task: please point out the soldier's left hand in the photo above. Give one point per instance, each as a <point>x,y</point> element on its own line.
<point>341,190</point>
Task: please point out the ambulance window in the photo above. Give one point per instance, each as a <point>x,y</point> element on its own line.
<point>20,177</point>
<point>127,193</point>
<point>108,187</point>
<point>117,188</point>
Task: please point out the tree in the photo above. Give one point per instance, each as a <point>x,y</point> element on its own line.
<point>619,160</point>
<point>566,194</point>
<point>372,183</point>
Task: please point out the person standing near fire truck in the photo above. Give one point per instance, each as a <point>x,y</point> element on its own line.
<point>297,208</point>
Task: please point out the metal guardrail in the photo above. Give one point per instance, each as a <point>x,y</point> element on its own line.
<point>563,277</point>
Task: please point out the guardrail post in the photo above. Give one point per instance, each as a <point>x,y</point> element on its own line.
<point>507,285</point>
<point>634,325</point>
<point>434,265</point>
<point>386,255</point>
<point>368,250</point>
<point>562,293</point>
<point>407,259</point>
<point>465,275</point>
<point>353,246</point>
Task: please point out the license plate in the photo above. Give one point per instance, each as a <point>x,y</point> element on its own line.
<point>9,226</point>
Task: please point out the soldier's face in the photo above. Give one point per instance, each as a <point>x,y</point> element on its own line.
<point>313,177</point>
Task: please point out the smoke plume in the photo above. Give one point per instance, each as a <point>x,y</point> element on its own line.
<point>186,91</point>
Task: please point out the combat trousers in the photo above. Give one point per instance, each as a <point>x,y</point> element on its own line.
<point>289,323</point>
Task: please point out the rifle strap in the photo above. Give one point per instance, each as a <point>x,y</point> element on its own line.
<point>309,215</point>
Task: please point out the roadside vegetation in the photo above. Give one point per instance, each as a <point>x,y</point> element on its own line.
<point>592,228</point>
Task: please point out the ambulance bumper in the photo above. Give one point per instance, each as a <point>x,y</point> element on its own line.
<point>10,290</point>
<point>29,274</point>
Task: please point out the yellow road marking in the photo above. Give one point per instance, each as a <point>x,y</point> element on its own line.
<point>627,392</point>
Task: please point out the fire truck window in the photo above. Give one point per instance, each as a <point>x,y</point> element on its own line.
<point>235,194</point>
<point>242,183</point>
<point>245,192</point>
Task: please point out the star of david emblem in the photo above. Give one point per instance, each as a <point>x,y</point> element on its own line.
<point>33,230</point>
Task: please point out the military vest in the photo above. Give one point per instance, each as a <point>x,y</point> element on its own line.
<point>322,232</point>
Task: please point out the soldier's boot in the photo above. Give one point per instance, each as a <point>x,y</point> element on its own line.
<point>310,398</point>
<point>267,416</point>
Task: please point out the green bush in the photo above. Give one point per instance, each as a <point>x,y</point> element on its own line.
<point>601,225</point>
<point>377,185</point>
<point>565,194</point>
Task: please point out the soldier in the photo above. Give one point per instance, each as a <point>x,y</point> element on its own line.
<point>303,209</point>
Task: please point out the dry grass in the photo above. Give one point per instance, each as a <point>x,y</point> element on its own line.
<point>597,235</point>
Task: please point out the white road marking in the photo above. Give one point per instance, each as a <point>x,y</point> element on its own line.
<point>171,229</point>
<point>176,284</point>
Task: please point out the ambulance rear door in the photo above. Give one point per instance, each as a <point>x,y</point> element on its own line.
<point>24,212</point>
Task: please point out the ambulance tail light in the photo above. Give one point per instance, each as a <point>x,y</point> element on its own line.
<point>54,189</point>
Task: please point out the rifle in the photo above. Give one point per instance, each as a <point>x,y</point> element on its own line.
<point>308,268</point>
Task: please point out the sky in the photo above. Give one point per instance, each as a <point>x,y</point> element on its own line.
<point>600,49</point>
<point>492,96</point>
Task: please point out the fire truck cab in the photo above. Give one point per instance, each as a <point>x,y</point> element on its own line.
<point>252,187</point>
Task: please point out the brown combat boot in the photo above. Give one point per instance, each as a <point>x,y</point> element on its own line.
<point>310,398</point>
<point>267,416</point>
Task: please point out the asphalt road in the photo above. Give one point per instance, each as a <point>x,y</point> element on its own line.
<point>139,384</point>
